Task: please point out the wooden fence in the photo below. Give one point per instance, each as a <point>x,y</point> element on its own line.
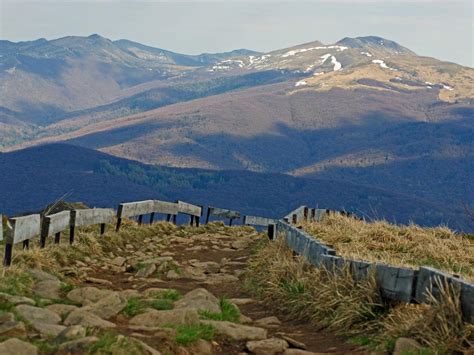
<point>395,283</point>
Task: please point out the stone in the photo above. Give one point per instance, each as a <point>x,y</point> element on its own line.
<point>70,333</point>
<point>155,292</point>
<point>61,309</point>
<point>159,260</point>
<point>15,346</point>
<point>13,329</point>
<point>293,342</point>
<point>237,331</point>
<point>154,318</point>
<point>268,322</point>
<point>127,294</point>
<point>202,347</point>
<point>173,275</point>
<point>77,345</point>
<point>87,295</point>
<point>37,315</point>
<point>118,261</point>
<point>149,350</point>
<point>108,306</point>
<point>240,244</point>
<point>214,279</point>
<point>16,300</point>
<point>207,267</point>
<point>267,347</point>
<point>406,345</point>
<point>300,352</point>
<point>48,330</point>
<point>200,299</point>
<point>7,317</point>
<point>40,275</point>
<point>95,280</point>
<point>49,289</point>
<point>241,301</point>
<point>81,317</point>
<point>243,319</point>
<point>147,271</point>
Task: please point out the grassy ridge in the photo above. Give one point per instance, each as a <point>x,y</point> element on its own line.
<point>355,309</point>
<point>411,246</point>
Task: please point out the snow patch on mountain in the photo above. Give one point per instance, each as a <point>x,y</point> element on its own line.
<point>366,54</point>
<point>337,65</point>
<point>382,64</point>
<point>303,50</point>
<point>301,83</point>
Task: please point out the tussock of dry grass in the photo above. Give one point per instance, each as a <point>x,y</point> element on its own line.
<point>88,242</point>
<point>411,245</point>
<point>337,302</point>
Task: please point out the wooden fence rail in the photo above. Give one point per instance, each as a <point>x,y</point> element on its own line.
<point>395,283</point>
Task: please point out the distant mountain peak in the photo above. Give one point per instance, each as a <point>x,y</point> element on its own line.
<point>371,42</point>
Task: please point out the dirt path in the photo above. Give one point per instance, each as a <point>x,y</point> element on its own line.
<point>215,262</point>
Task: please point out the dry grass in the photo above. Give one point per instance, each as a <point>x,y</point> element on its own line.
<point>337,302</point>
<point>88,243</point>
<point>411,245</point>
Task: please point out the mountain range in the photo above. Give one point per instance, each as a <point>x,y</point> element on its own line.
<point>363,111</point>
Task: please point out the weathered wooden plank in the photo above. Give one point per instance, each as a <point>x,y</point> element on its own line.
<point>24,228</point>
<point>332,263</point>
<point>359,268</point>
<point>395,283</point>
<point>429,281</point>
<point>1,227</point>
<point>88,217</point>
<point>467,301</point>
<point>139,208</point>
<point>319,214</point>
<point>189,209</point>
<point>223,213</point>
<point>165,207</point>
<point>296,215</point>
<point>259,221</point>
<point>55,223</point>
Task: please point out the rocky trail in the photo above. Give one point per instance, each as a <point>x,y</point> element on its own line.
<point>180,292</point>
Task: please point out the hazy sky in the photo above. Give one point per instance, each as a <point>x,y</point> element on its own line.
<point>441,29</point>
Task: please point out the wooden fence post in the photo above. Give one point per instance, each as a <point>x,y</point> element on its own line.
<point>57,237</point>
<point>271,231</point>
<point>7,259</point>
<point>119,223</point>
<point>72,231</point>
<point>152,217</point>
<point>102,228</point>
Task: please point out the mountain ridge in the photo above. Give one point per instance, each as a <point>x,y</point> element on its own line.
<point>358,111</point>
<point>102,180</point>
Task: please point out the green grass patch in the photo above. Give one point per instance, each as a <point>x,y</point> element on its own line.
<point>110,343</point>
<point>44,347</point>
<point>172,295</point>
<point>161,304</point>
<point>5,306</point>
<point>65,287</point>
<point>17,285</point>
<point>188,334</point>
<point>134,306</point>
<point>228,312</point>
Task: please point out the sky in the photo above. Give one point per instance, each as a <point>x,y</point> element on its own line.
<point>440,29</point>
